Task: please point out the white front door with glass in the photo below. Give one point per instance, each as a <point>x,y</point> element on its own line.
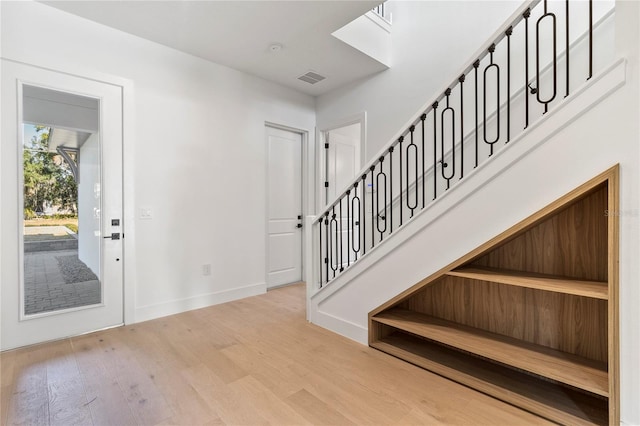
<point>61,215</point>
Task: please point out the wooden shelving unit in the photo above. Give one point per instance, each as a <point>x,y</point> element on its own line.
<point>596,289</point>
<point>530,317</point>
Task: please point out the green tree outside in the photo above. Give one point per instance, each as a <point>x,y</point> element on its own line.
<point>48,180</point>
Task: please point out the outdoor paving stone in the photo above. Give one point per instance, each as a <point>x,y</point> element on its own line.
<point>45,286</point>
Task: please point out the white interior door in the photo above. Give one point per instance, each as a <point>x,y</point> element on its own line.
<point>342,157</point>
<point>284,240</point>
<point>99,162</point>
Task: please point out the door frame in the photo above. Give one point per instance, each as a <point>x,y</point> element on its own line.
<point>321,165</point>
<point>304,140</point>
<point>128,167</point>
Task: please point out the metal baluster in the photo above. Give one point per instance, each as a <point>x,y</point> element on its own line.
<point>340,234</point>
<point>400,139</point>
<point>414,148</point>
<point>327,243</point>
<point>461,81</point>
<point>374,213</point>
<point>476,65</point>
<point>391,189</point>
<point>555,65</point>
<point>364,214</point>
<point>348,223</point>
<point>382,174</point>
<point>492,49</point>
<point>435,153</point>
<point>334,241</point>
<point>424,177</point>
<point>526,15</point>
<point>355,201</point>
<point>453,140</point>
<point>320,251</point>
<point>508,33</point>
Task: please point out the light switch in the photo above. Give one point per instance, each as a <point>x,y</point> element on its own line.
<point>146,213</point>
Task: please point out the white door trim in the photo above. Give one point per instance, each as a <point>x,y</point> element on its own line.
<point>128,170</point>
<point>304,134</point>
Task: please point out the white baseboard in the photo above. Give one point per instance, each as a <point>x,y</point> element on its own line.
<point>149,312</point>
<point>344,328</point>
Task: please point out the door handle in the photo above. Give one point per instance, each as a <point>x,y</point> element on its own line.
<point>299,225</point>
<point>113,236</point>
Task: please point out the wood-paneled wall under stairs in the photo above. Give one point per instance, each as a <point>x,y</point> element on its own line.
<point>530,317</point>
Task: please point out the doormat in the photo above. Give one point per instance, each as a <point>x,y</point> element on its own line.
<point>74,270</point>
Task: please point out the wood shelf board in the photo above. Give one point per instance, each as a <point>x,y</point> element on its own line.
<point>544,398</point>
<point>556,365</point>
<point>594,289</point>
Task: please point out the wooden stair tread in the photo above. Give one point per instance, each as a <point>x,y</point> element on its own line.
<point>547,399</point>
<point>594,289</point>
<point>561,366</point>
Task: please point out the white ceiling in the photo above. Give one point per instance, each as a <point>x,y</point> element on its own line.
<point>238,34</point>
<point>72,118</point>
<point>53,108</point>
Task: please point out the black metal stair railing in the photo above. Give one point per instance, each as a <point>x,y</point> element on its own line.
<point>477,114</point>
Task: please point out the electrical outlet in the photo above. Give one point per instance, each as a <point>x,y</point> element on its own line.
<point>206,269</point>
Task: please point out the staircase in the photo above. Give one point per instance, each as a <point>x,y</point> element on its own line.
<point>517,78</point>
<point>501,141</point>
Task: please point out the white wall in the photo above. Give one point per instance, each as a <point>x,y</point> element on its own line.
<point>89,203</point>
<point>422,64</point>
<point>199,154</point>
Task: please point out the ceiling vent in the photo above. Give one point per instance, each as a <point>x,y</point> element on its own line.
<point>311,77</point>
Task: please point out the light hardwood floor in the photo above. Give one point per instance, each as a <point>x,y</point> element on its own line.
<point>249,362</point>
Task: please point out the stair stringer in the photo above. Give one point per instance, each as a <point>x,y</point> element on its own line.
<point>537,168</point>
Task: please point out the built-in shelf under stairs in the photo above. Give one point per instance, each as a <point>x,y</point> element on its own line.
<point>530,317</point>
